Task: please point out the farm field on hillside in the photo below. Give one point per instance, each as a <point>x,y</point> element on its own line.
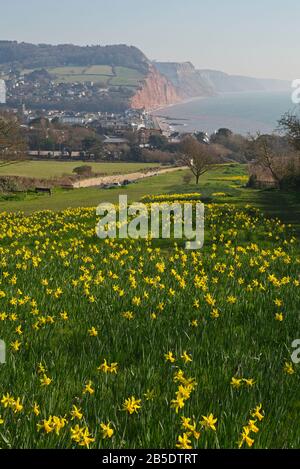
<point>123,344</point>
<point>105,74</point>
<point>126,77</point>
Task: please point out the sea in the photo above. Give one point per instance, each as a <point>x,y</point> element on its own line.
<point>244,113</point>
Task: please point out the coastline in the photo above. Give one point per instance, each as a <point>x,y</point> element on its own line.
<point>162,121</point>
<point>184,101</point>
<point>242,112</point>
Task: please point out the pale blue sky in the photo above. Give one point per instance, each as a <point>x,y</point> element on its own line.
<point>254,37</point>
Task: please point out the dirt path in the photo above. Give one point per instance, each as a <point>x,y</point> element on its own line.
<point>120,178</point>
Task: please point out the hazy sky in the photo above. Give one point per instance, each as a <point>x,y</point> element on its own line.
<point>251,37</point>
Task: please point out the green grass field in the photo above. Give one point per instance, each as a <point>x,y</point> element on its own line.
<point>125,345</point>
<point>228,178</point>
<point>93,70</point>
<point>99,70</point>
<point>52,169</point>
<point>144,344</point>
<point>126,77</point>
<point>104,74</point>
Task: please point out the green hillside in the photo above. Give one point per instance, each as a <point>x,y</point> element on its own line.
<point>104,74</point>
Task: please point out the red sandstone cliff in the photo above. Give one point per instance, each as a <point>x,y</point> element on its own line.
<point>156,91</point>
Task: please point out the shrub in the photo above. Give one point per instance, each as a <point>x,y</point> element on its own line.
<point>83,170</point>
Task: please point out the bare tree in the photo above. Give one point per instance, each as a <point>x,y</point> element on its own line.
<point>275,156</point>
<point>266,155</point>
<point>199,157</point>
<point>12,144</point>
<point>289,124</point>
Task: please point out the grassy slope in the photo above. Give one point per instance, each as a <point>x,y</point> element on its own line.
<point>284,205</point>
<point>126,77</point>
<point>50,169</point>
<point>97,73</point>
<point>245,341</point>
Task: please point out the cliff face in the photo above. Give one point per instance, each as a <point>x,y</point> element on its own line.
<point>186,79</point>
<point>190,82</point>
<point>157,91</point>
<point>222,82</point>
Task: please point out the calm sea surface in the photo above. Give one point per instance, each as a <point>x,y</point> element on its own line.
<point>240,112</point>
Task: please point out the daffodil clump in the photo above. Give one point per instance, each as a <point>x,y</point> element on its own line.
<point>193,196</point>
<point>251,428</point>
<point>219,194</point>
<point>134,344</point>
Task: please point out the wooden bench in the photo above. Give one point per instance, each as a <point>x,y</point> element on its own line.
<point>67,187</point>
<point>44,190</point>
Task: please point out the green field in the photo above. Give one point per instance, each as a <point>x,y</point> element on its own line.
<point>126,77</point>
<point>94,70</point>
<point>104,74</point>
<point>51,169</point>
<point>144,344</point>
<point>228,178</point>
<point>99,70</point>
<point>122,344</point>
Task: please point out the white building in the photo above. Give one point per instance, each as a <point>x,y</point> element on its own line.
<point>2,92</point>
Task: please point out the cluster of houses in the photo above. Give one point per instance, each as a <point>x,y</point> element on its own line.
<point>39,88</point>
<point>117,129</point>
